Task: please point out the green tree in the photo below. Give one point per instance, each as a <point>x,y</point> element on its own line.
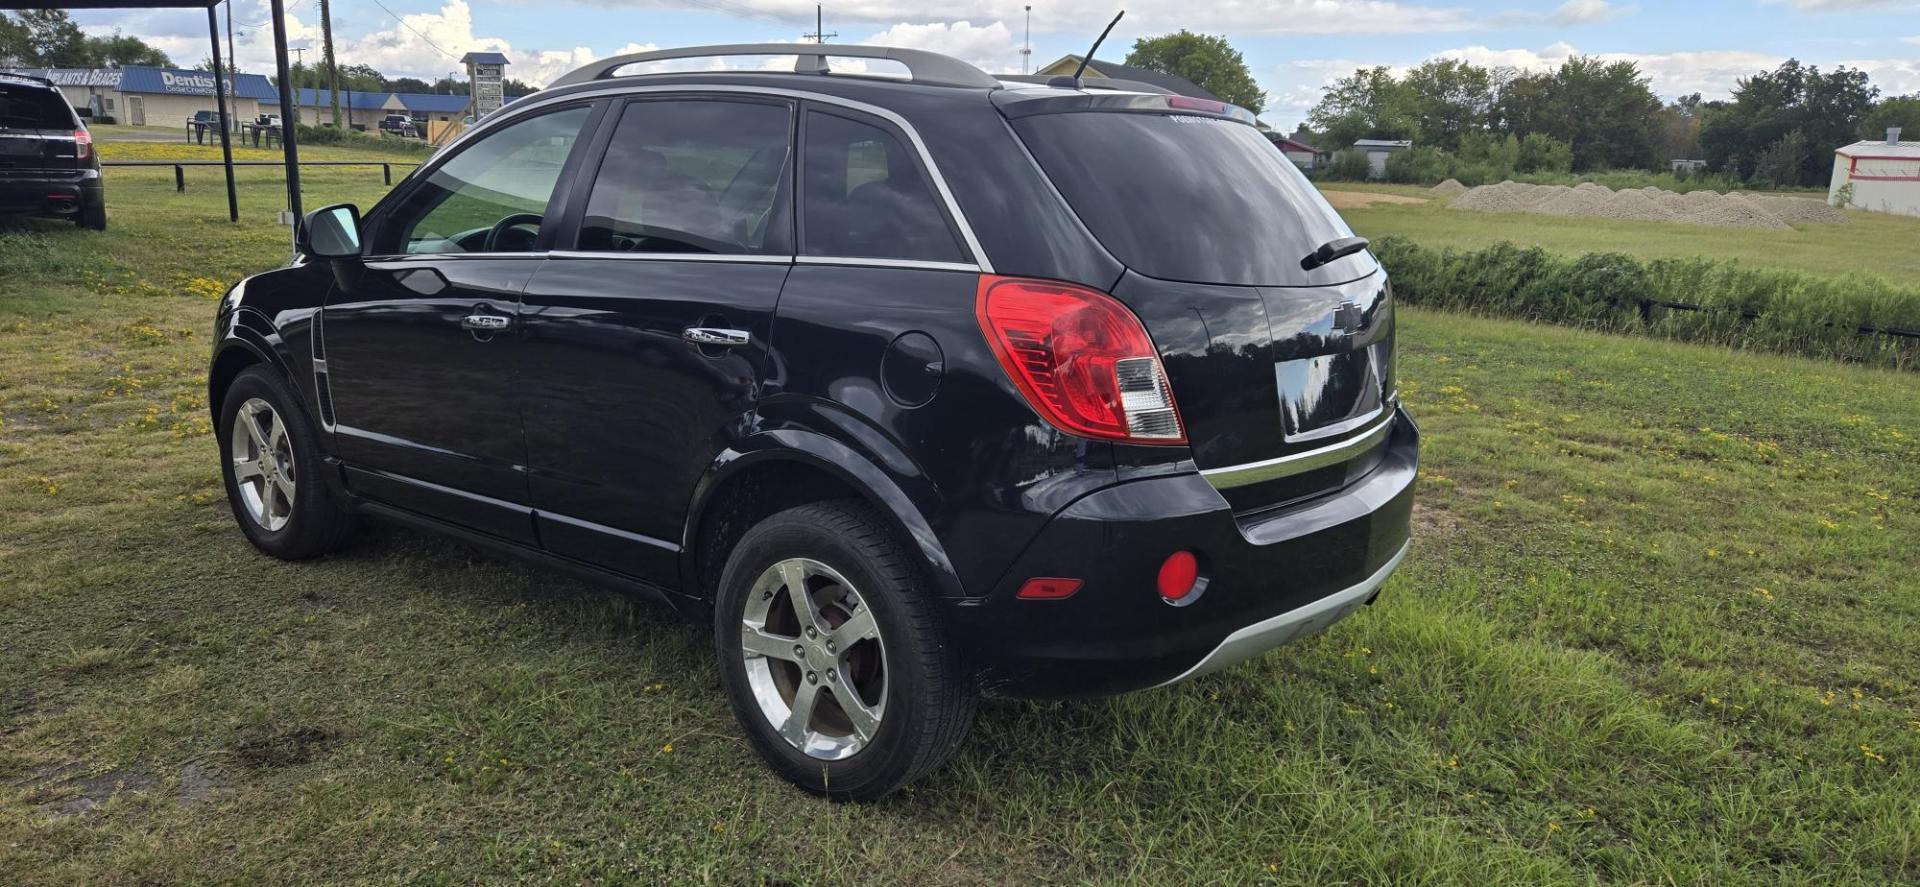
<point>1208,61</point>
<point>16,42</point>
<point>1370,104</point>
<point>120,50</point>
<point>1783,162</point>
<point>1539,152</point>
<point>1901,111</point>
<point>1449,99</point>
<point>1827,110</point>
<point>54,40</point>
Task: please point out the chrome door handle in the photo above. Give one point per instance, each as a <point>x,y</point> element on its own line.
<point>491,323</point>
<point>708,335</point>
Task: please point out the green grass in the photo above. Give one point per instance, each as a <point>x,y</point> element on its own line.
<point>1872,243</point>
<point>1659,626</point>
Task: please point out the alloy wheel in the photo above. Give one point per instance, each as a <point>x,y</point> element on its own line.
<point>814,658</point>
<point>263,464</point>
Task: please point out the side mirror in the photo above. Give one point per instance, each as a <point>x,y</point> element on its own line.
<point>332,232</point>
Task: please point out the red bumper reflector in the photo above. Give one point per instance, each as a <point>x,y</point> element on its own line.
<point>1178,575</point>
<point>1047,588</point>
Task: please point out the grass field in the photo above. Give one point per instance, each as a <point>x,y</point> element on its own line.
<point>1872,243</point>
<point>1661,624</point>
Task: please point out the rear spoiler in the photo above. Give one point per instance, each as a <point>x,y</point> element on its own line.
<point>1108,83</point>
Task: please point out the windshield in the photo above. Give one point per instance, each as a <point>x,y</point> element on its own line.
<point>33,108</point>
<point>1190,198</point>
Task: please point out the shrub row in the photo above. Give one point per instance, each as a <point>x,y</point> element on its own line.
<point>1856,318</point>
<point>327,135</point>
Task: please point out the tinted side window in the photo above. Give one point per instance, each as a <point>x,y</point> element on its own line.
<point>864,196</point>
<point>492,196</point>
<point>693,176</point>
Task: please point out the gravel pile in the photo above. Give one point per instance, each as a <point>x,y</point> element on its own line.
<point>1450,188</point>
<point>1593,200</point>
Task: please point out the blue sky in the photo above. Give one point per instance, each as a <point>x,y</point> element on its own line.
<point>1293,46</point>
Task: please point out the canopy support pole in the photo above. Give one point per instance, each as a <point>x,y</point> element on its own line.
<point>226,122</point>
<point>287,126</point>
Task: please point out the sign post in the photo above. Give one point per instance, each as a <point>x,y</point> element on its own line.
<point>487,73</point>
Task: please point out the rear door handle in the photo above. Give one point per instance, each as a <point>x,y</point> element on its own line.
<point>708,335</point>
<point>490,323</point>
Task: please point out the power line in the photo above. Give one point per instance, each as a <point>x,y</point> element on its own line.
<point>423,37</point>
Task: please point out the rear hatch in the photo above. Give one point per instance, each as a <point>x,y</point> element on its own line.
<point>1283,374</point>
<point>36,130</point>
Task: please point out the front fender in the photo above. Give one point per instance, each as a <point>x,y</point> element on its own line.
<point>251,332</point>
<point>858,470</point>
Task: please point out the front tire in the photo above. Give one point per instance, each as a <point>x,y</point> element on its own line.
<point>270,457</point>
<point>832,654</point>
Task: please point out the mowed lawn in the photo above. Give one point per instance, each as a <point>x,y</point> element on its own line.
<point>1878,244</point>
<point>1661,624</point>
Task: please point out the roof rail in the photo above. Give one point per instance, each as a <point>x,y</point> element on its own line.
<point>929,68</point>
<point>35,78</point>
<point>1107,83</point>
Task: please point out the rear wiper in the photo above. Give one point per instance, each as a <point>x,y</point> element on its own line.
<point>1332,250</point>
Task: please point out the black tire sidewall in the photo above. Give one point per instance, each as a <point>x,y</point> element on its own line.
<point>312,527</point>
<point>890,758</point>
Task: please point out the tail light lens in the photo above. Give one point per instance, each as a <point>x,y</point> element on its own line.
<point>1081,359</point>
<point>82,144</point>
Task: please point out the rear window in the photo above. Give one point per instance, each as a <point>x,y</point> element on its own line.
<point>1190,198</point>
<point>24,107</point>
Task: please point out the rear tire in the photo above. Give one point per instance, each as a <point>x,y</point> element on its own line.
<point>270,458</point>
<point>880,644</point>
<point>92,218</point>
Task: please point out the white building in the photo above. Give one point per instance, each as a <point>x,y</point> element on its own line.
<point>1879,176</point>
<point>1377,151</point>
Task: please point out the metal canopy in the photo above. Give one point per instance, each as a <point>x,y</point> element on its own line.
<point>111,4</point>
<point>287,147</point>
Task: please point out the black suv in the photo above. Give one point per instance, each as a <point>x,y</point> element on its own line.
<point>909,387</point>
<point>47,162</point>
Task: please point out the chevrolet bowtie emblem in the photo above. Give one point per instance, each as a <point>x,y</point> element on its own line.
<point>1347,318</point>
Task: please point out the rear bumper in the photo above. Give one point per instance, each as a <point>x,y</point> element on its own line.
<point>1270,577</point>
<point>56,194</point>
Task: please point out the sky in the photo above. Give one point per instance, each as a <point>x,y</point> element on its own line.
<point>1294,47</point>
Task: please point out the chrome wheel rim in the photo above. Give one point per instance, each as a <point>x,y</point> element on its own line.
<point>262,464</point>
<point>815,660</point>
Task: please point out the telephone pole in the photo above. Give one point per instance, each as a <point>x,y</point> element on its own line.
<point>326,51</point>
<point>819,35</point>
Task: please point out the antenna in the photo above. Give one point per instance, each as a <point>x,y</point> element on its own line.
<point>1096,47</point>
<point>818,34</point>
<point>1026,48</point>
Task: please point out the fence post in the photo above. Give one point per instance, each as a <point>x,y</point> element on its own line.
<point>179,178</point>
<point>386,169</point>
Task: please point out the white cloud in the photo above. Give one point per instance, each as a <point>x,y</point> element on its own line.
<point>1587,12</point>
<point>990,47</point>
<point>1143,16</point>
<point>1844,5</point>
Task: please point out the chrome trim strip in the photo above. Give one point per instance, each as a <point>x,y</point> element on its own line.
<point>740,258</point>
<point>889,263</point>
<point>537,101</point>
<point>608,531</point>
<point>1297,463</point>
<point>1252,640</point>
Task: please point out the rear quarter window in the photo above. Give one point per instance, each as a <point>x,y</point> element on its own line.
<point>1190,198</point>
<point>24,107</point>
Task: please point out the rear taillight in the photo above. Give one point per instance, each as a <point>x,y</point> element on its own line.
<point>82,144</point>
<point>1082,360</point>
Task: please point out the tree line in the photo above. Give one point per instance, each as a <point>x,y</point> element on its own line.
<point>48,38</point>
<point>1780,126</point>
